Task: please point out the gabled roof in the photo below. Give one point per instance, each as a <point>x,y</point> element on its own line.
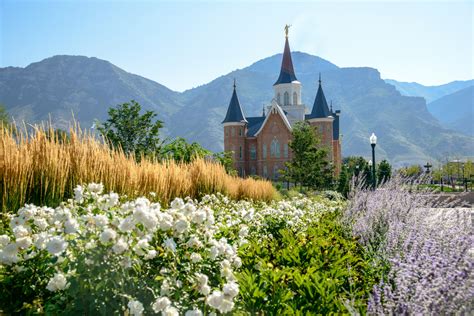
<point>287,73</point>
<point>234,111</point>
<point>320,105</point>
<point>254,125</point>
<point>280,112</point>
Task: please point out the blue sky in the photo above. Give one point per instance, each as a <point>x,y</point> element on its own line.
<point>183,44</point>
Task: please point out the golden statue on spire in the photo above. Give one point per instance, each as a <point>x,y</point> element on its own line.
<point>287,27</point>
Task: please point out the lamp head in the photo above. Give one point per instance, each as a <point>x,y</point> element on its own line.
<point>373,139</point>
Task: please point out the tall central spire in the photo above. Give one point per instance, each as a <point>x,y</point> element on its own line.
<point>287,73</point>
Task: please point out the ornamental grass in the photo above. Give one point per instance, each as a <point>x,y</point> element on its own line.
<point>43,167</point>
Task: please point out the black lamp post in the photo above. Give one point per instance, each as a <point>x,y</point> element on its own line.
<point>428,166</point>
<point>373,142</point>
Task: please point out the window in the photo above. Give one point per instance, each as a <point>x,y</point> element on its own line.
<point>285,150</point>
<point>240,131</point>
<point>241,171</point>
<point>275,172</point>
<point>287,98</point>
<point>278,98</point>
<point>264,151</point>
<point>253,171</point>
<point>275,149</point>
<point>295,98</point>
<point>240,152</point>
<point>253,152</point>
<point>226,132</point>
<point>232,131</point>
<point>265,171</point>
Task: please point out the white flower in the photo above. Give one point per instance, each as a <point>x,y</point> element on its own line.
<point>91,245</point>
<point>170,244</point>
<point>79,194</point>
<point>112,199</point>
<point>181,226</point>
<point>194,312</point>
<point>24,242</point>
<point>170,311</point>
<point>199,217</point>
<point>177,204</point>
<point>120,246</point>
<point>9,254</point>
<point>165,288</point>
<point>226,306</point>
<point>108,235</point>
<point>194,242</point>
<point>215,299</point>
<point>141,245</point>
<point>20,231</point>
<point>161,304</point>
<point>166,221</point>
<point>135,307</point>
<point>101,220</point>
<point>214,252</point>
<point>151,254</point>
<point>231,289</point>
<point>127,224</point>
<point>71,226</point>
<point>244,231</point>
<point>195,257</point>
<point>56,245</point>
<point>57,283</point>
<point>95,188</point>
<point>4,240</point>
<point>41,223</point>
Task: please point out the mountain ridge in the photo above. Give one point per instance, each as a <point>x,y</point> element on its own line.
<point>90,85</point>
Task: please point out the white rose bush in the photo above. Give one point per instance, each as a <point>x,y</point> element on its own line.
<point>101,253</point>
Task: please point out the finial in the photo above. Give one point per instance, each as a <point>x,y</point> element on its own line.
<point>319,78</point>
<point>234,83</point>
<point>263,110</point>
<point>331,106</point>
<point>287,27</point>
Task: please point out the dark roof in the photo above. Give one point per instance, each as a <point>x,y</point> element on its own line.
<point>320,105</point>
<point>254,124</point>
<point>287,73</point>
<point>234,111</point>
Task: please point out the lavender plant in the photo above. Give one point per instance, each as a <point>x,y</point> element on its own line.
<point>426,245</point>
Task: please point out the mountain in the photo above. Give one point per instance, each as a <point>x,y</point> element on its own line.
<point>430,93</point>
<point>407,132</point>
<point>461,119</point>
<point>61,85</point>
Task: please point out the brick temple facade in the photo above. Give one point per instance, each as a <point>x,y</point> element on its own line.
<point>260,144</point>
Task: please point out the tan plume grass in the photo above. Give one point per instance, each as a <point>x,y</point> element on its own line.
<point>43,168</point>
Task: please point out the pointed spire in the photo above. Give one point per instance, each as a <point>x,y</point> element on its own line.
<point>234,111</point>
<point>331,107</point>
<point>320,105</point>
<point>287,73</point>
<point>263,110</point>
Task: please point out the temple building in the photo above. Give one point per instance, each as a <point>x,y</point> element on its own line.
<point>260,144</point>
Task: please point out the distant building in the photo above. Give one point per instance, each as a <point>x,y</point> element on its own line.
<point>260,144</point>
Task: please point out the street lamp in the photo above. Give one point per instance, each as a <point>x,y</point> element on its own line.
<point>373,142</point>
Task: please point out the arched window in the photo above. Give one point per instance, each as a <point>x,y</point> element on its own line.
<point>278,98</point>
<point>265,171</point>
<point>253,171</point>
<point>285,151</point>
<point>287,98</point>
<point>264,151</point>
<point>295,98</point>
<point>240,152</point>
<point>232,131</point>
<point>275,149</point>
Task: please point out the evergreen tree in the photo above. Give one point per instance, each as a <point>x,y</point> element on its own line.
<point>134,133</point>
<point>310,165</point>
<point>181,151</point>
<point>384,171</point>
<point>343,181</point>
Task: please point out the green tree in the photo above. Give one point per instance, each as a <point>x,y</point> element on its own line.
<point>343,181</point>
<point>136,134</point>
<point>310,165</point>
<point>4,118</point>
<point>181,151</point>
<point>411,171</point>
<point>225,159</point>
<point>384,171</point>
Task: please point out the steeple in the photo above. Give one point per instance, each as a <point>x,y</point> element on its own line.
<point>234,111</point>
<point>320,105</point>
<point>287,73</point>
